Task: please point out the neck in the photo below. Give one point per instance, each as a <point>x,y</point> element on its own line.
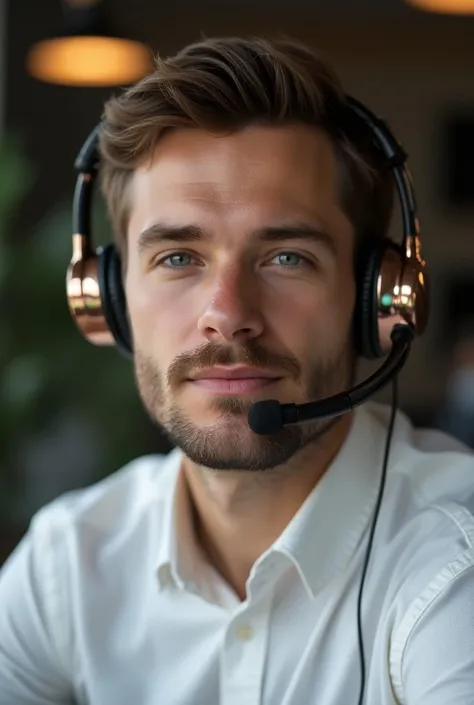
<point>239,515</point>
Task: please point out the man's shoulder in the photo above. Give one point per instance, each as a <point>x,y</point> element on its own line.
<point>438,468</point>
<point>427,513</point>
<point>424,541</point>
<point>428,503</point>
<point>118,499</point>
<point>431,465</point>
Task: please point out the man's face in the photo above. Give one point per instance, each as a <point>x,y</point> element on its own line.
<point>240,287</point>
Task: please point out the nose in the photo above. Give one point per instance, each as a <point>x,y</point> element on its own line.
<point>232,313</point>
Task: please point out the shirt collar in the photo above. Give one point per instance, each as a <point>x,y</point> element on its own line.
<point>173,565</point>
<point>324,534</point>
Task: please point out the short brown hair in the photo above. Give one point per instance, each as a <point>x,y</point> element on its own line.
<point>226,84</point>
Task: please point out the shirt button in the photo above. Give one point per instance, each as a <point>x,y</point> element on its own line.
<point>245,632</point>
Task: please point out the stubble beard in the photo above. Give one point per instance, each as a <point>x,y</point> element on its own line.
<point>229,443</point>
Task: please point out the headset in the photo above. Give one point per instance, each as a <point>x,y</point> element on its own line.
<point>392,301</point>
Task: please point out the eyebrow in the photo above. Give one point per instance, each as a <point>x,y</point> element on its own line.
<point>161,233</point>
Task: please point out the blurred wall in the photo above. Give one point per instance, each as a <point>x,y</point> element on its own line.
<point>3,59</point>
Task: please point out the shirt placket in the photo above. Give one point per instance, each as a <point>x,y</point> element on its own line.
<point>244,654</point>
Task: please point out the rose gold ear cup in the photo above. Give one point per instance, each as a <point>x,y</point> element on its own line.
<point>83,294</point>
<point>403,294</point>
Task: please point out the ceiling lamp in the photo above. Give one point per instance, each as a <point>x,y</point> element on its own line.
<point>447,7</point>
<point>88,52</point>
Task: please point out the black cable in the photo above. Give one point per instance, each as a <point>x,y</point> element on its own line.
<point>371,536</point>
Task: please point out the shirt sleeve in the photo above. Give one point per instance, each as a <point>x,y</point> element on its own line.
<point>437,665</point>
<point>32,671</point>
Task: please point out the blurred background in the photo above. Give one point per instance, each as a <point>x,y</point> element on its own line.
<point>69,413</point>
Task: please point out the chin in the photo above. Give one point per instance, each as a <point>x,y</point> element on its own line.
<point>225,441</point>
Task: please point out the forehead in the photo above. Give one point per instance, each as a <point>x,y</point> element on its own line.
<point>260,172</point>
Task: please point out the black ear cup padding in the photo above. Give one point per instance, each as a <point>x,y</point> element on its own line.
<point>366,315</point>
<point>113,298</point>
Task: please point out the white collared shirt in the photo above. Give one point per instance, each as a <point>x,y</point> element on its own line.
<point>108,601</point>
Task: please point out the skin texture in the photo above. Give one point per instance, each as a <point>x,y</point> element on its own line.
<point>239,254</point>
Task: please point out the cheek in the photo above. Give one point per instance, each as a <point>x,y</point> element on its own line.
<point>162,319</point>
<point>318,317</point>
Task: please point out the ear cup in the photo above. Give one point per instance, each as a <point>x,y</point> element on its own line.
<point>113,298</point>
<point>366,314</point>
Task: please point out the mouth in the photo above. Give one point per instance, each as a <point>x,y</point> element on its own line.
<point>243,385</point>
<point>234,380</point>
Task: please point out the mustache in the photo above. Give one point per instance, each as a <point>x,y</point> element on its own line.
<point>210,354</point>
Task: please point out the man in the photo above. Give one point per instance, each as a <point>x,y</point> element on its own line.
<point>228,572</point>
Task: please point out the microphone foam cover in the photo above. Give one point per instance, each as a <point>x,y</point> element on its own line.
<point>265,417</point>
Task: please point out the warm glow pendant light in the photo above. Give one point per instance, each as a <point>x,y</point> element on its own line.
<point>448,7</point>
<point>88,52</point>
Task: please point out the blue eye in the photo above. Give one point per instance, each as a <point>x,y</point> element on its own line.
<point>289,259</point>
<point>177,260</point>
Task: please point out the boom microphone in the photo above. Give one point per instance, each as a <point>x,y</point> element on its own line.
<point>269,416</point>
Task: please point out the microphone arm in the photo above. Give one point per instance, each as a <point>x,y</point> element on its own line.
<point>269,416</point>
